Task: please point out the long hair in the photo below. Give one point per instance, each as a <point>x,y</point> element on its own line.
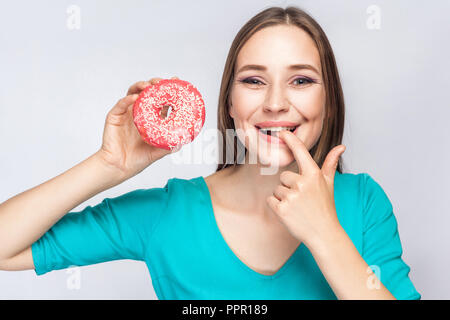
<point>333,126</point>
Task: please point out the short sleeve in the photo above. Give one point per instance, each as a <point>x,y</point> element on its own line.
<point>382,249</point>
<point>117,228</point>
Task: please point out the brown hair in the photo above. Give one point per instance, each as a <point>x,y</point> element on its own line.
<point>333,126</point>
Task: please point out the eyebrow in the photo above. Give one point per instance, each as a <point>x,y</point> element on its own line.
<point>291,67</point>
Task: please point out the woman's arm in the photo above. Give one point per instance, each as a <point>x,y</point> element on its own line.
<point>21,261</point>
<point>25,217</point>
<point>345,270</point>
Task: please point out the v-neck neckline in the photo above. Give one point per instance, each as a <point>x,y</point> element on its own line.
<point>227,248</point>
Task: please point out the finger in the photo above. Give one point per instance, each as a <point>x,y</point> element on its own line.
<point>305,162</point>
<point>273,203</point>
<point>289,178</point>
<point>155,80</point>
<point>122,105</point>
<point>331,161</point>
<point>280,192</point>
<point>138,87</point>
<point>176,149</point>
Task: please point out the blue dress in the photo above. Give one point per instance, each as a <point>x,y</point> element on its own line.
<point>174,231</point>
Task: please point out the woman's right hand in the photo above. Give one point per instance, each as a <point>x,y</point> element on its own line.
<point>123,148</point>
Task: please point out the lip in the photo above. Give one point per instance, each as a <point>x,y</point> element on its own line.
<point>266,124</point>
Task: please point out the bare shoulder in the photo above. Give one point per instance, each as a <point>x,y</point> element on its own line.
<point>217,183</point>
<point>218,177</point>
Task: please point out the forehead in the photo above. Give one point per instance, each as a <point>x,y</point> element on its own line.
<point>279,46</point>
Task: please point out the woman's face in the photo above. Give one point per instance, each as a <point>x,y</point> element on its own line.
<point>274,91</point>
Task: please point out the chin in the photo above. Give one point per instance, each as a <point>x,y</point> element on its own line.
<point>278,160</point>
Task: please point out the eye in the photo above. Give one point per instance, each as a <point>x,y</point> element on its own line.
<point>304,80</point>
<point>301,81</point>
<point>251,81</point>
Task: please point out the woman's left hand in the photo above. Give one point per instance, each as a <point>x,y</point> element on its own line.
<point>304,201</point>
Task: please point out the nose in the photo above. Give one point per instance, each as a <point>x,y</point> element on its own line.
<point>275,100</point>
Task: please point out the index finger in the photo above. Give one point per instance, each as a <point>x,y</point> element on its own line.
<point>138,87</point>
<point>301,154</point>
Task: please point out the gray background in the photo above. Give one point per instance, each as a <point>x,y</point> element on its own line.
<point>57,85</point>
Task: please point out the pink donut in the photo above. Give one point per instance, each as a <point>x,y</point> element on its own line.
<point>180,124</point>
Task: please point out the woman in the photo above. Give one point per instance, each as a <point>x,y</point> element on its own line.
<point>287,225</point>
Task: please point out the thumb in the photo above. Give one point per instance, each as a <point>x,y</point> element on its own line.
<point>331,161</point>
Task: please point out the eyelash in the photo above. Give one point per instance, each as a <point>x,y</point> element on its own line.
<point>308,80</point>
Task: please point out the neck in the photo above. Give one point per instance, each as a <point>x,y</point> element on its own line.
<point>256,183</point>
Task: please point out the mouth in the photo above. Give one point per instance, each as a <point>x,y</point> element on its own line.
<point>270,134</point>
<point>273,131</point>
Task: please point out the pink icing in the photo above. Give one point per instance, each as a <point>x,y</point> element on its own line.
<point>185,120</point>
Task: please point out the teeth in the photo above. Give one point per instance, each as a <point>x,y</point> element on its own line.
<point>276,129</point>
